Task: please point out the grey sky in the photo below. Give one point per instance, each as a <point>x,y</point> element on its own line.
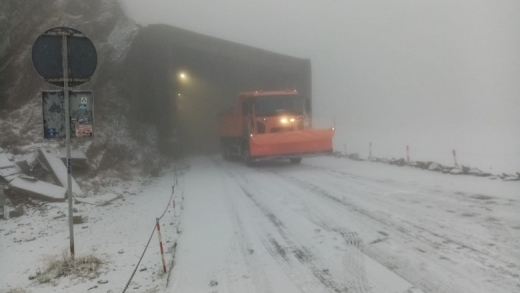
<point>405,66</point>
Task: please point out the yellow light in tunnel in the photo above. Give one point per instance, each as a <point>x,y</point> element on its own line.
<point>283,120</point>
<point>179,95</point>
<point>182,75</point>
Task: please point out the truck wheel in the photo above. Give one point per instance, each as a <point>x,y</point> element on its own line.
<point>225,152</point>
<point>295,160</point>
<point>247,159</point>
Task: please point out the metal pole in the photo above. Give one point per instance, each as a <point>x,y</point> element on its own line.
<point>455,158</point>
<point>408,155</point>
<point>160,244</point>
<point>65,62</point>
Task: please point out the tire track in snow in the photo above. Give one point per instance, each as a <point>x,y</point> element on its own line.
<point>405,269</point>
<point>303,255</point>
<point>494,226</point>
<point>307,262</point>
<point>253,264</point>
<point>256,269</point>
<point>353,261</point>
<point>501,274</point>
<point>299,275</point>
<point>354,272</point>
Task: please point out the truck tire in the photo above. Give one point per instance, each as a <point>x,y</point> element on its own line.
<point>247,158</point>
<point>225,152</point>
<point>295,160</point>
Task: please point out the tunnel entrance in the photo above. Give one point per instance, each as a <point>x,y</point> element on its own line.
<point>179,81</point>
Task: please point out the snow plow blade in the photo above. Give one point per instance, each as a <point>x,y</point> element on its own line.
<point>291,144</point>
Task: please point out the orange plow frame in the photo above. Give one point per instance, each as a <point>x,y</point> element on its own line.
<point>300,143</point>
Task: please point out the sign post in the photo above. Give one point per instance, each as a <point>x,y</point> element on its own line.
<point>65,61</point>
<point>70,64</point>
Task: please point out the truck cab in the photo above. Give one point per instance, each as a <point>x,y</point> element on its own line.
<point>269,125</point>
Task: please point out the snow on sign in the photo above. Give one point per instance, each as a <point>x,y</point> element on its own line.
<point>81,105</point>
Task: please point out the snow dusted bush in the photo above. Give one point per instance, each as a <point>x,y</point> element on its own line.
<point>56,267</point>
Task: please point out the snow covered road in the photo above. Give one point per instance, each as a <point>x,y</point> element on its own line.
<point>333,225</point>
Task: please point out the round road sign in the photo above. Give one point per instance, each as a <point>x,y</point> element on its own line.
<point>48,59</point>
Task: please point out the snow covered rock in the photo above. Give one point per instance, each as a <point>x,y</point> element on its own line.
<point>475,171</point>
<point>509,177</point>
<point>5,162</point>
<point>17,212</point>
<point>456,171</point>
<point>397,162</point>
<point>58,170</point>
<point>435,167</point>
<point>38,189</point>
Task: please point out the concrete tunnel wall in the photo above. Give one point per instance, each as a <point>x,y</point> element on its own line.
<point>216,71</point>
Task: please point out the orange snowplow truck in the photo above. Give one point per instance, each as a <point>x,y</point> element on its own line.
<point>268,125</point>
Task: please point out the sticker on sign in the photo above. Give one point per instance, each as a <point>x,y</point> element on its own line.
<point>83,130</point>
<point>81,104</point>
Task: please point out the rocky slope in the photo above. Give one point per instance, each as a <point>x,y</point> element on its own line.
<point>104,22</point>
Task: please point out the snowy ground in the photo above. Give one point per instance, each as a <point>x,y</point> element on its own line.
<point>334,225</point>
<point>116,233</point>
<point>327,225</point>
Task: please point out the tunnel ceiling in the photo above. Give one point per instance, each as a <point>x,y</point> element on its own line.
<point>216,71</point>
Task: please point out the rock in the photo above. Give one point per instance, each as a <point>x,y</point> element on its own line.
<point>77,219</point>
<point>77,157</point>
<point>102,281</point>
<point>121,251</point>
<point>484,174</point>
<point>465,170</point>
<point>354,157</point>
<point>94,287</point>
<point>4,161</point>
<point>512,178</point>
<point>60,216</point>
<point>38,189</point>
<point>398,162</point>
<point>58,170</point>
<point>421,165</point>
<point>435,167</point>
<point>75,210</point>
<point>475,171</point>
<point>24,166</point>
<point>17,212</point>
<point>143,269</point>
<point>213,283</point>
<point>456,171</point>
<point>32,277</point>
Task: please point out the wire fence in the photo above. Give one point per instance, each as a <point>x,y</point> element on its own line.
<point>155,227</point>
<point>488,159</point>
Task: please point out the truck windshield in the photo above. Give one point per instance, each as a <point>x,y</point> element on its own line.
<point>276,105</point>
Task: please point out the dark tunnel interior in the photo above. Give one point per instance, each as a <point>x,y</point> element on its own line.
<point>213,72</point>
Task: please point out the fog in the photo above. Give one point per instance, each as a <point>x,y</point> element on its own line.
<point>435,75</point>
